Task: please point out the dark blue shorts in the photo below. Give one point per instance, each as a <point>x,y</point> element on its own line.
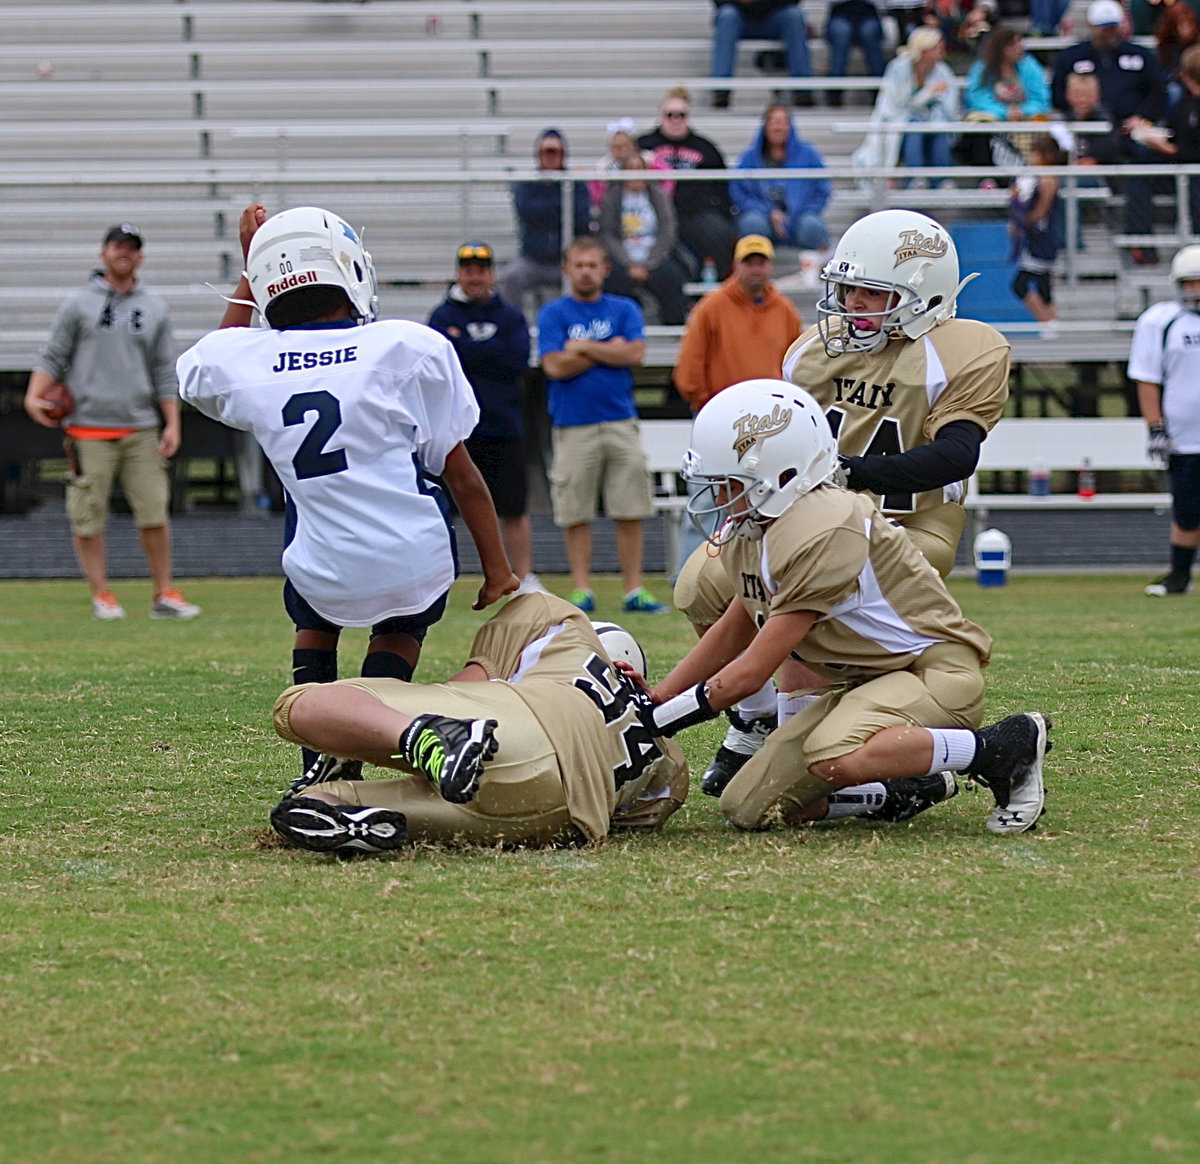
<point>414,625</point>
<point>1185,490</point>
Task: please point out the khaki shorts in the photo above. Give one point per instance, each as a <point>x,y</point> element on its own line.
<point>595,459</point>
<point>703,589</point>
<point>143,475</point>
<point>520,799</point>
<point>944,689</point>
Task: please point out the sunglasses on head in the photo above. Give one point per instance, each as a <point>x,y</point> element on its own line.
<point>467,253</point>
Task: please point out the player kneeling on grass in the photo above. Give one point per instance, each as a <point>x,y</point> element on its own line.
<point>537,740</point>
<point>822,576</point>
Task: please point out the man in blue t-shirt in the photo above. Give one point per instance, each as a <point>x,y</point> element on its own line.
<point>587,343</point>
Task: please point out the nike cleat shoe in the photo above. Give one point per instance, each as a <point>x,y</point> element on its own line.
<point>106,607</point>
<point>585,600</point>
<point>908,798</point>
<point>328,828</point>
<point>451,752</point>
<point>641,601</point>
<point>1009,762</point>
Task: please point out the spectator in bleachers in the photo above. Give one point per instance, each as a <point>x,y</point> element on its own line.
<point>1005,84</point>
<point>491,339</point>
<point>1177,29</point>
<point>1132,89</point>
<point>782,20</point>
<point>918,86</point>
<point>621,145</point>
<point>638,231</point>
<point>853,22</point>
<point>1037,229</point>
<point>908,15</point>
<point>703,210</point>
<point>1183,126</point>
<point>538,209</point>
<point>785,210</point>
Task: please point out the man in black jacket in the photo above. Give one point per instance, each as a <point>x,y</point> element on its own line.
<point>492,342</point>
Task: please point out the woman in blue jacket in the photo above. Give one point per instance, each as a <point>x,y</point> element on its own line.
<point>785,210</point>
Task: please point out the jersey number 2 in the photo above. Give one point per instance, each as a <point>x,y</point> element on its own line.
<point>311,459</point>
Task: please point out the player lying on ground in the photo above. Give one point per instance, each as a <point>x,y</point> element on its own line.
<point>823,577</point>
<point>537,740</point>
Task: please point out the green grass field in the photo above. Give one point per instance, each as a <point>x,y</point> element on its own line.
<point>177,989</point>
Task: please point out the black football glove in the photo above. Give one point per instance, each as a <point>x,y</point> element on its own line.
<point>1158,447</point>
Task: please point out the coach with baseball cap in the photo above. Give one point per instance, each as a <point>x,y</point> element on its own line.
<point>492,342</point>
<point>1132,82</point>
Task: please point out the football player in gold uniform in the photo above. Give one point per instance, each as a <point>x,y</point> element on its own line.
<point>909,391</point>
<point>537,740</point>
<point>820,575</point>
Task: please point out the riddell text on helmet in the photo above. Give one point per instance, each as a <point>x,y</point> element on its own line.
<point>299,279</point>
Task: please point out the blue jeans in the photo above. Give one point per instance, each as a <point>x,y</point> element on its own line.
<point>926,149</point>
<point>1046,15</point>
<point>805,231</point>
<point>842,31</point>
<point>785,24</point>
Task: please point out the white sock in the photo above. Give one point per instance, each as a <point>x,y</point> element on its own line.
<point>953,749</point>
<point>857,800</point>
<point>787,706</point>
<point>761,703</point>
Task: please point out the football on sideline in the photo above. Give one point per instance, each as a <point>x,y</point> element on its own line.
<point>59,401</point>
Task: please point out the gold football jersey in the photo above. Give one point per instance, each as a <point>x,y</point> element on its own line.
<point>893,400</point>
<point>880,604</point>
<point>613,769</point>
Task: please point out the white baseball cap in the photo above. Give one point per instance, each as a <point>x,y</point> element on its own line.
<point>1105,12</point>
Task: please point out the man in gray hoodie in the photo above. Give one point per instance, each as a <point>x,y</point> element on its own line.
<point>112,345</point>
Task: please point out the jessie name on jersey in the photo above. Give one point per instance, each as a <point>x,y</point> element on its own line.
<point>303,361</point>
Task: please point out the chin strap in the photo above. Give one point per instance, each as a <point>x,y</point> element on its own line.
<point>230,299</point>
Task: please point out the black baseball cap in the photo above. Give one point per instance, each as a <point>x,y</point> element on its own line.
<point>124,232</point>
<point>475,252</point>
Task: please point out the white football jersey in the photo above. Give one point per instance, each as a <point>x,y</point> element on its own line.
<point>344,414</point>
<point>1166,351</point>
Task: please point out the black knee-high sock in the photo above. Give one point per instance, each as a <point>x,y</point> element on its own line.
<point>1181,559</point>
<point>386,665</point>
<point>312,666</point>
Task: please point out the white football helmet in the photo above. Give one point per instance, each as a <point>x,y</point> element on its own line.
<point>307,246</point>
<point>900,251</point>
<point>1186,265</point>
<point>620,645</point>
<point>769,436</point>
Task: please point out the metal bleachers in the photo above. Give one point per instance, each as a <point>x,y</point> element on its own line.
<point>410,117</point>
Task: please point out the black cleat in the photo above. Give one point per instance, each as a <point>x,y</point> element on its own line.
<point>324,769</point>
<point>1009,763</point>
<point>327,828</point>
<point>907,798</point>
<point>741,743</point>
<point>451,752</point>
<point>1171,583</point>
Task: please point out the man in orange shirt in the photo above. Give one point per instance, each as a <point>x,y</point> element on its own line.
<point>738,332</point>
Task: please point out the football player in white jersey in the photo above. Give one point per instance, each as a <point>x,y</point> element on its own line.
<point>822,576</point>
<point>1164,359</point>
<point>537,740</point>
<point>352,414</point>
<point>910,392</point>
